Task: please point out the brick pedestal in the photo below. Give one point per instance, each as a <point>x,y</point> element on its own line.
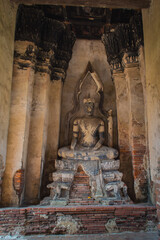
<point>77,220</point>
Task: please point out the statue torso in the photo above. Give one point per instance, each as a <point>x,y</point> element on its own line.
<point>88,131</point>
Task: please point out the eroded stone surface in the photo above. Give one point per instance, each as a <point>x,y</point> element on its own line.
<point>66,225</point>
<point>110,165</point>
<point>111,226</point>
<point>112,176</point>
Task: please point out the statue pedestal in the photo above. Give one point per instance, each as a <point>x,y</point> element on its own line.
<point>87,177</point>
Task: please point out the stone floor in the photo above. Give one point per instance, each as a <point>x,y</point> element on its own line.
<point>120,236</point>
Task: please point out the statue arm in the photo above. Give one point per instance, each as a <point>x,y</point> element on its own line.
<point>75,134</point>
<point>101,137</point>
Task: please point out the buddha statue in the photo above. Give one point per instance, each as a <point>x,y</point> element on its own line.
<point>88,137</point>
<point>88,131</point>
<point>87,156</point>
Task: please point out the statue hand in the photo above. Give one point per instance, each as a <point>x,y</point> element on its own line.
<point>97,146</point>
<point>72,147</point>
<point>73,143</point>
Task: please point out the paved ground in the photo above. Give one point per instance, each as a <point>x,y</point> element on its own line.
<point>120,236</point>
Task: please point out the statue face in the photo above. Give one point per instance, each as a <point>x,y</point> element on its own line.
<point>89,108</point>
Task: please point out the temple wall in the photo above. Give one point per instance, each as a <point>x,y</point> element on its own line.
<point>151,25</point>
<point>7,29</point>
<point>83,52</point>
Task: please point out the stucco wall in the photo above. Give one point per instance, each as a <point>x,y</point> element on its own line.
<point>151,24</point>
<point>7,29</point>
<point>83,52</point>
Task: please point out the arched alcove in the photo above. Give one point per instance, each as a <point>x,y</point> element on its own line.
<point>83,52</point>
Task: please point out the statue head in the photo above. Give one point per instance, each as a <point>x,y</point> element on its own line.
<point>89,105</point>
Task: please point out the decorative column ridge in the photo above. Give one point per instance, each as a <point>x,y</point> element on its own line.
<point>51,32</point>
<point>26,56</point>
<point>130,60</point>
<point>122,39</point>
<point>53,39</point>
<point>28,32</point>
<point>63,54</point>
<point>111,44</point>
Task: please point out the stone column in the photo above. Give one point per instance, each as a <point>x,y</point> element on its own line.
<point>37,138</point>
<point>122,102</point>
<point>42,110</point>
<point>59,67</point>
<point>55,93</point>
<point>28,35</point>
<point>21,98</point>
<point>27,137</point>
<point>137,136</point>
<point>54,113</point>
<point>8,11</point>
<point>122,45</point>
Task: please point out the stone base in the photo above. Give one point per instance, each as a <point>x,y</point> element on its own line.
<point>87,182</point>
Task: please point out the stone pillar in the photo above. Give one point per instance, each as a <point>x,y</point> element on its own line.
<point>54,113</point>
<point>28,140</point>
<point>122,45</point>
<point>55,93</point>
<point>59,67</point>
<point>151,22</point>
<point>44,93</point>
<point>137,137</point>
<point>37,138</point>
<point>21,98</point>
<point>22,88</point>
<point>141,59</point>
<point>122,102</point>
<point>8,12</point>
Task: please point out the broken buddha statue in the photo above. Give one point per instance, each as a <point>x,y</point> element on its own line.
<point>88,137</point>
<point>88,131</point>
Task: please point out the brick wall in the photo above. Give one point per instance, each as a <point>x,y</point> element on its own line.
<point>79,220</point>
